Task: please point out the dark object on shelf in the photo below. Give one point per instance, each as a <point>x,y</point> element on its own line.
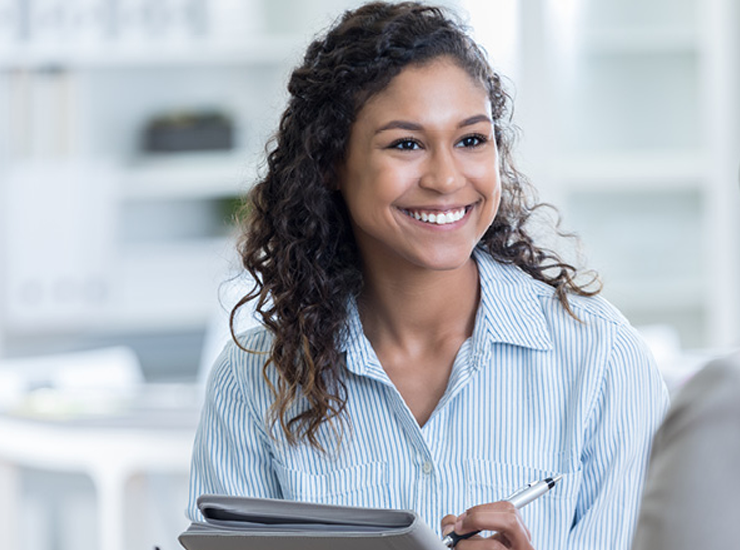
<point>189,132</point>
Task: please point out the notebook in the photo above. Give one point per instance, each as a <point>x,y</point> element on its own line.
<point>244,523</point>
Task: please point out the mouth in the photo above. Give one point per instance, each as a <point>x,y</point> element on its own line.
<point>437,217</point>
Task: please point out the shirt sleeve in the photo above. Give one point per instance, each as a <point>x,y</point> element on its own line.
<point>231,452</point>
<point>628,408</point>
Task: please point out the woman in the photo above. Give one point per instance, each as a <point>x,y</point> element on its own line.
<point>419,350</point>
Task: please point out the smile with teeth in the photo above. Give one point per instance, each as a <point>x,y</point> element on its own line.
<point>438,218</point>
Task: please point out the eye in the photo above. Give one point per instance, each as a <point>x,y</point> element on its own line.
<point>405,144</point>
<point>475,140</point>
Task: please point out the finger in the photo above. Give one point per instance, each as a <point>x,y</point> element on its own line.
<point>497,540</point>
<point>460,522</point>
<point>501,517</point>
<point>478,543</point>
<point>448,524</point>
<point>495,516</point>
<point>527,533</point>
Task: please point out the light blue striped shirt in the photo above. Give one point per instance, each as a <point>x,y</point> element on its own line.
<point>532,393</point>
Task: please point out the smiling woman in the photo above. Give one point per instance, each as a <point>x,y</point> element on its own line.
<point>421,176</point>
<point>419,349</point>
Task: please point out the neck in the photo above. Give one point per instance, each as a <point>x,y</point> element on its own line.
<point>411,307</point>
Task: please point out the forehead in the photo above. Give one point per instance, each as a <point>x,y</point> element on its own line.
<point>420,91</point>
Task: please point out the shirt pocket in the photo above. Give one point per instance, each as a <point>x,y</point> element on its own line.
<point>359,485</point>
<point>487,481</point>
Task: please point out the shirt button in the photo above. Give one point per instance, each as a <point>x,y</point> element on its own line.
<point>427,468</point>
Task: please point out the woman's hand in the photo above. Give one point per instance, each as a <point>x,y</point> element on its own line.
<point>501,517</point>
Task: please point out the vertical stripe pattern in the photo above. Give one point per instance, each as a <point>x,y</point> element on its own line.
<point>532,393</point>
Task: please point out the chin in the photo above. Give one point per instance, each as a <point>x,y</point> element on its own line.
<point>444,262</point>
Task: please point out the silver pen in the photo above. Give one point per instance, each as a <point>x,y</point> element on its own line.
<point>519,498</point>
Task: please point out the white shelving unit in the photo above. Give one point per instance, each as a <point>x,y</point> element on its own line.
<point>263,49</point>
<point>97,237</point>
<point>638,141</point>
<point>187,176</point>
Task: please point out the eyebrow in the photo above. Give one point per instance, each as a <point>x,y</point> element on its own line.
<point>415,127</point>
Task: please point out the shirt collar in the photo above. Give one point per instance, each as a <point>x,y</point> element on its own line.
<point>360,355</point>
<point>511,308</point>
<point>510,312</point>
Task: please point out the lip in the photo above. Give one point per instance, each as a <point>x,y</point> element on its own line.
<point>436,208</point>
<point>407,214</point>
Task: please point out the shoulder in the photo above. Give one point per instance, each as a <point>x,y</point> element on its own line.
<point>598,315</point>
<point>693,463</point>
<point>594,317</point>
<point>723,372</point>
<point>709,403</point>
<point>258,339</point>
<point>594,308</point>
<point>248,346</point>
<point>239,365</point>
<point>630,369</point>
<point>596,341</point>
<point>715,387</point>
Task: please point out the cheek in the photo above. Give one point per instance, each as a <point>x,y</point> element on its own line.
<point>384,185</point>
<point>497,192</point>
<point>484,172</point>
<point>496,198</point>
<point>488,184</point>
<point>368,196</point>
<point>493,195</point>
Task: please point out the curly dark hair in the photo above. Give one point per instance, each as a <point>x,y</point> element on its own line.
<point>297,242</point>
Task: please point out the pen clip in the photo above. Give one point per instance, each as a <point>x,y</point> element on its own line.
<point>520,490</point>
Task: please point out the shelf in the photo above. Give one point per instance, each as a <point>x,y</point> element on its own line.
<point>155,287</point>
<point>661,295</point>
<point>188,176</point>
<point>657,15</point>
<point>639,41</point>
<point>255,50</point>
<point>679,170</point>
<point>642,104</point>
<point>166,286</point>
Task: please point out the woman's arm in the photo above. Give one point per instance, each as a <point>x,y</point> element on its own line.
<point>626,412</point>
<point>230,453</point>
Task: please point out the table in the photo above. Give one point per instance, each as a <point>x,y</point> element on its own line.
<point>110,449</point>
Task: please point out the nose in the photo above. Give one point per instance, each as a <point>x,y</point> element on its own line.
<point>441,173</point>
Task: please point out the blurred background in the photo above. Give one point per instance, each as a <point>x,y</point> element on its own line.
<point>130,128</point>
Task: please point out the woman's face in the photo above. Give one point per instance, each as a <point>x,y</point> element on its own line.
<point>421,176</point>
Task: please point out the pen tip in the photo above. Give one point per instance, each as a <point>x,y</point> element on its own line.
<point>551,481</point>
